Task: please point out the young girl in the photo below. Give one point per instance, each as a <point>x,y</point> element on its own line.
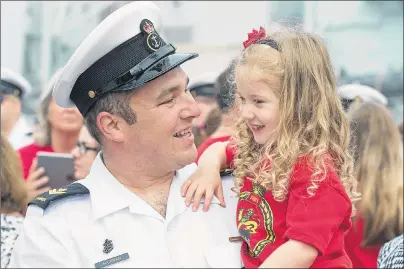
<point>290,156</point>
<point>379,168</point>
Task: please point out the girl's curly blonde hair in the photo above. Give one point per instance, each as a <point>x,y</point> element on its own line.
<point>312,120</point>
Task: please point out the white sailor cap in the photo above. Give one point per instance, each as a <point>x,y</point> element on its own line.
<point>122,53</point>
<point>363,93</point>
<point>203,84</point>
<point>13,83</point>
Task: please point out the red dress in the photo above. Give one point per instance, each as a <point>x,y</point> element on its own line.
<point>27,155</point>
<point>209,141</point>
<point>362,257</point>
<point>320,221</point>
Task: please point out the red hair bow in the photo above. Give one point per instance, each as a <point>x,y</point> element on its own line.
<point>254,36</point>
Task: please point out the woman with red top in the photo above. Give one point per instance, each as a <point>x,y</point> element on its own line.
<point>57,131</point>
<point>225,111</point>
<point>377,151</point>
<point>290,156</point>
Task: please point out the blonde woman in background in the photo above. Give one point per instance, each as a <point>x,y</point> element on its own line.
<point>57,131</point>
<point>13,199</point>
<point>377,150</point>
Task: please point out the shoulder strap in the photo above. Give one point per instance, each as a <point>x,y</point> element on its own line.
<point>46,198</point>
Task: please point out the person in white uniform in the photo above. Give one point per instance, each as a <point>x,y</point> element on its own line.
<point>351,94</point>
<point>129,212</point>
<point>14,125</point>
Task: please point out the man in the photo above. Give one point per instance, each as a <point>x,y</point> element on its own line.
<point>13,125</point>
<point>357,93</point>
<point>129,212</point>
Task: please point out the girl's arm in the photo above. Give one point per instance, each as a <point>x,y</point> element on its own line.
<point>292,254</point>
<point>205,181</point>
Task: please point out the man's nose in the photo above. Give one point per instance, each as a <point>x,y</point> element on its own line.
<point>192,109</point>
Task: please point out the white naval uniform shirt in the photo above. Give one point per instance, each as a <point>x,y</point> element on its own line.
<point>71,231</point>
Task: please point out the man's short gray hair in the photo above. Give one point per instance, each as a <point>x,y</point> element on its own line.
<point>116,103</point>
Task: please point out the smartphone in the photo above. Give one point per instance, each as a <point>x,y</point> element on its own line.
<point>59,167</point>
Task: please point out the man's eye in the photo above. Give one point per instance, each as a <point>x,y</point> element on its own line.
<point>167,102</point>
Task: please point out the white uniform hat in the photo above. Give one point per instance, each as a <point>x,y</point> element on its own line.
<point>352,92</point>
<point>122,53</point>
<point>203,85</point>
<point>14,83</point>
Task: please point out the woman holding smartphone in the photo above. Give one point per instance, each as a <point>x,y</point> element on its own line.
<point>57,131</point>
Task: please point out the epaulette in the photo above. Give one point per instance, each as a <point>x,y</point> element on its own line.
<point>44,200</point>
<point>226,172</point>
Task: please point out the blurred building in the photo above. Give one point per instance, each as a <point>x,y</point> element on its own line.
<point>365,38</point>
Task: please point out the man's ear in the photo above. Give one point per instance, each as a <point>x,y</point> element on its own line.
<point>110,126</point>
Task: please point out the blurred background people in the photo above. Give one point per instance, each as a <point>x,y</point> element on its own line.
<point>84,153</point>
<point>224,116</point>
<point>203,90</point>
<point>377,151</point>
<point>354,93</point>
<point>13,199</point>
<point>14,125</point>
<point>57,131</point>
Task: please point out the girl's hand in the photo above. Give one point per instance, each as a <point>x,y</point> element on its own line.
<point>203,182</point>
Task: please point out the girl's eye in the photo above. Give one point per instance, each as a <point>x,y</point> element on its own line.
<point>258,101</point>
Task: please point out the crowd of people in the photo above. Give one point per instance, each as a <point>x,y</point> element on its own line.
<point>268,164</point>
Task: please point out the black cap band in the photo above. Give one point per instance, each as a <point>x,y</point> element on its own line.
<point>9,88</point>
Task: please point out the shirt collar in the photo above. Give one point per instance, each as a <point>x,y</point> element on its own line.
<point>108,195</point>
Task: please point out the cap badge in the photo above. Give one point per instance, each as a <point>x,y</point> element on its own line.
<point>152,40</point>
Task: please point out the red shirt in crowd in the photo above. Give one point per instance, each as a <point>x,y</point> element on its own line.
<point>209,141</point>
<point>28,154</point>
<point>320,221</point>
<point>362,257</point>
